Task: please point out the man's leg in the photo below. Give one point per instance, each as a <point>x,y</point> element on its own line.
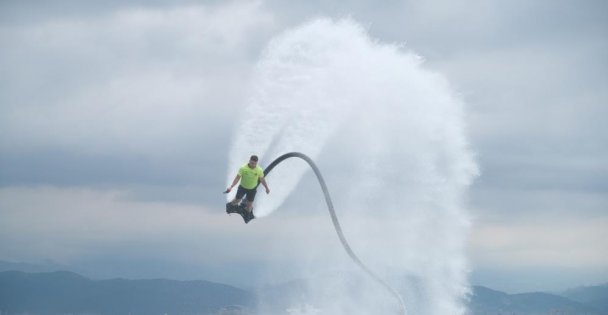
<point>250,197</point>
<point>239,195</point>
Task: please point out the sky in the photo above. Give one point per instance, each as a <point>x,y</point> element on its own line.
<point>116,120</point>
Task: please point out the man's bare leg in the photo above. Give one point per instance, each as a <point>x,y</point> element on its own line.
<point>249,205</point>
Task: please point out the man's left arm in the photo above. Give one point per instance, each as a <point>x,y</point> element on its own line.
<point>263,181</point>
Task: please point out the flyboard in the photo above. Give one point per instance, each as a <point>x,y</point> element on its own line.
<point>240,209</point>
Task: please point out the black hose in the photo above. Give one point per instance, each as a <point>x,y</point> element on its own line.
<point>334,219</point>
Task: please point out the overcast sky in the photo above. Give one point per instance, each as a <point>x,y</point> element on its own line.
<point>115,120</point>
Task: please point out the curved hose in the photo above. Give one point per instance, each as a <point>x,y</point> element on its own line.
<point>334,219</point>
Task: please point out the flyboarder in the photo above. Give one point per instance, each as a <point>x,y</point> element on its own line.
<point>250,175</point>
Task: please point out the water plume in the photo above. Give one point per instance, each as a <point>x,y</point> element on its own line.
<point>391,133</point>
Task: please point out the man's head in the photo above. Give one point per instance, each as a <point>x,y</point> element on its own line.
<point>253,161</point>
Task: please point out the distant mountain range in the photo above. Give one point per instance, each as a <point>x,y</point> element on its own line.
<point>488,301</point>
<point>64,292</point>
<point>594,296</point>
<point>61,292</point>
<point>25,267</point>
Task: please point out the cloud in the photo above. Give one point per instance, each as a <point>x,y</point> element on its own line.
<point>150,89</point>
<point>73,226</point>
<point>138,74</point>
<point>537,243</point>
<point>548,252</point>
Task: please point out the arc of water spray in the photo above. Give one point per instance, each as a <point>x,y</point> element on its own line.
<point>337,227</point>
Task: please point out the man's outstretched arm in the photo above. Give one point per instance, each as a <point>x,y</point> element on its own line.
<point>234,182</point>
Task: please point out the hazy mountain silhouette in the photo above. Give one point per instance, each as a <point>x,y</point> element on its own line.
<point>64,292</point>
<point>47,266</point>
<point>69,293</point>
<point>488,301</point>
<point>594,296</point>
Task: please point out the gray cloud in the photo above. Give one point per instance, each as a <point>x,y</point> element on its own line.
<point>137,95</point>
<point>141,96</point>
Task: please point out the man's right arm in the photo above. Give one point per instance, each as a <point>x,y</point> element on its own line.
<point>234,182</point>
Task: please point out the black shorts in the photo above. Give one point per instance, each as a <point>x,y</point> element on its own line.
<point>244,191</point>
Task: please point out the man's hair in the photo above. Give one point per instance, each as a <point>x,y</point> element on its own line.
<point>253,158</point>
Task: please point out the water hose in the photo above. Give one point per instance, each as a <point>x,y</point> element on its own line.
<point>334,219</point>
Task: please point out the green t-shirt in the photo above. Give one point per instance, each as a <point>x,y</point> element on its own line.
<point>250,176</point>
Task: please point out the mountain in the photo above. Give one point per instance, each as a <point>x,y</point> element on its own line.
<point>27,267</point>
<point>69,293</point>
<point>488,301</point>
<point>595,296</point>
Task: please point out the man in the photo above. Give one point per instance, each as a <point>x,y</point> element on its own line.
<point>249,175</point>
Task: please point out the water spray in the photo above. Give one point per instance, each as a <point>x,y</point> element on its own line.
<point>329,87</point>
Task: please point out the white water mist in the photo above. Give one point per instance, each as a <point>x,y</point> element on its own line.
<point>395,131</point>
